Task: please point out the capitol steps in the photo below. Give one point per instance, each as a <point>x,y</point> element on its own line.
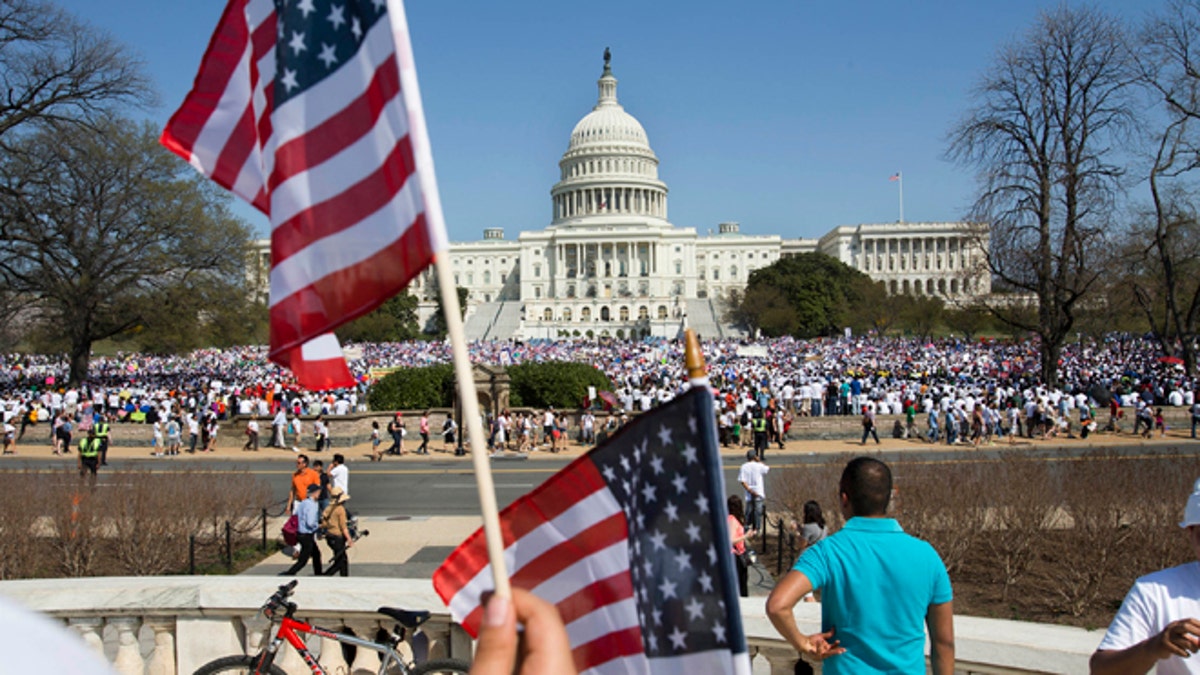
<point>506,322</point>
<point>480,321</point>
<point>702,318</point>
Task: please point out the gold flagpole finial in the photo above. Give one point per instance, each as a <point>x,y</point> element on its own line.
<point>693,358</point>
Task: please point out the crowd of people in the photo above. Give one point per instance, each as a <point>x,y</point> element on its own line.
<point>950,390</point>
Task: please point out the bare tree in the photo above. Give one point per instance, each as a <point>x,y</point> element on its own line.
<point>98,225</point>
<point>1165,250</point>
<point>1047,121</point>
<point>53,67</point>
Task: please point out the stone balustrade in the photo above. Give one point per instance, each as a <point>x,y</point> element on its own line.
<point>169,625</point>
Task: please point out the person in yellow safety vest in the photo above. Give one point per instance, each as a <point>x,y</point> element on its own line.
<point>102,436</point>
<point>89,453</point>
<point>759,425</point>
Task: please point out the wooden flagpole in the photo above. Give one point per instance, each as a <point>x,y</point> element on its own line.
<point>693,359</point>
<point>468,399</point>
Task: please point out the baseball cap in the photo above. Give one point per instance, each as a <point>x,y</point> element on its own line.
<point>1191,513</point>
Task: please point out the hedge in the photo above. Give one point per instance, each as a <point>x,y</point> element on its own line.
<point>561,384</point>
<point>414,389</point>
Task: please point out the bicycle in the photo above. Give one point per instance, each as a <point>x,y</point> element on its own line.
<point>290,629</point>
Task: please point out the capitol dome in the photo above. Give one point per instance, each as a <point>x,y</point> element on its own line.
<point>609,171</point>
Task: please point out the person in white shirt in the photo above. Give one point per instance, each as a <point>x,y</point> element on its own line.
<point>752,477</point>
<point>1158,624</point>
<point>339,475</point>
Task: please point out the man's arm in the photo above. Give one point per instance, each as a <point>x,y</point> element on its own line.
<point>939,619</point>
<point>1180,638</point>
<point>794,586</point>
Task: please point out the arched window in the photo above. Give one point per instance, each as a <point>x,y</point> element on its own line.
<point>548,314</point>
<point>942,286</point>
<point>733,272</point>
<point>662,311</point>
<point>566,314</point>
<point>893,287</point>
<point>604,314</point>
<point>487,277</point>
<point>905,286</point>
<point>643,313</point>
<point>623,313</point>
<point>954,287</point>
<point>585,314</point>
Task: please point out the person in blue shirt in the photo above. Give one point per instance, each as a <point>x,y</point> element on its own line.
<point>880,588</point>
<point>308,519</point>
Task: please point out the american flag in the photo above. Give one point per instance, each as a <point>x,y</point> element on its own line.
<point>308,110</point>
<point>630,542</point>
<point>894,177</point>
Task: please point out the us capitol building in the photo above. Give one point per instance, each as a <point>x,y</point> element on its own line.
<point>612,264</point>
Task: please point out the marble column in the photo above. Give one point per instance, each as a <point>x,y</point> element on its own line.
<point>162,659</point>
<point>128,660</point>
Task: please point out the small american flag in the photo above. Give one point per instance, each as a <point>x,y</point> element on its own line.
<point>894,177</point>
<point>304,109</point>
<point>630,542</point>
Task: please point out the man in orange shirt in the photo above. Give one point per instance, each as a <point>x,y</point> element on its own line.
<point>301,479</point>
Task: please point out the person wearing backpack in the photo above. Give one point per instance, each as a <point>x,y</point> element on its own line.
<point>337,532</point>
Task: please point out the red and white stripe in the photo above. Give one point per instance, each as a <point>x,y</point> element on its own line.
<point>333,167</point>
<point>567,543</point>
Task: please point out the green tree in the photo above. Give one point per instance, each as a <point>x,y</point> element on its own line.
<point>394,321</point>
<point>1048,119</point>
<point>823,295</point>
<point>922,315</point>
<point>969,321</point>
<point>98,226</point>
<point>438,322</point>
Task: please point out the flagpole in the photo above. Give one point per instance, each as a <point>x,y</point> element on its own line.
<point>423,156</point>
<point>901,181</point>
<point>693,359</point>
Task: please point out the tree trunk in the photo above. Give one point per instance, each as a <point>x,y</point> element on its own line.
<point>81,352</point>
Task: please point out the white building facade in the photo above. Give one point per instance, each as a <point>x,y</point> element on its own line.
<point>611,264</point>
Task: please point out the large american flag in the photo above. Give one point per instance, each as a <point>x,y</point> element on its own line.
<point>630,542</point>
<point>308,110</point>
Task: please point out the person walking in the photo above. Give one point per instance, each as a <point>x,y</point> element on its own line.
<point>89,455</point>
<point>738,534</point>
<point>251,435</point>
<point>320,434</point>
<point>395,430</point>
<point>880,588</point>
<point>1158,624</point>
<point>423,427</point>
<point>278,426</point>
<point>868,423</point>
<point>376,443</point>
<point>339,475</point>
<point>302,477</point>
<point>334,520</point>
<point>308,521</point>
<point>759,425</point>
<point>102,431</point>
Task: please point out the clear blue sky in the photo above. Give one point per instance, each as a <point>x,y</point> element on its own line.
<point>786,116</point>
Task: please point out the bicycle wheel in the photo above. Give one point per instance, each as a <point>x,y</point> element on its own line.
<point>443,667</point>
<point>236,665</point>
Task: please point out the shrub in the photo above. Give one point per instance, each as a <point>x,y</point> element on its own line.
<point>414,389</point>
<point>555,383</point>
<point>19,516</point>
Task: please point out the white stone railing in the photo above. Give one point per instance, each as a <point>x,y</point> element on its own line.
<point>170,625</point>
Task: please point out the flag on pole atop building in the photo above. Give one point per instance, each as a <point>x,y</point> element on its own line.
<point>894,177</point>
<point>630,543</point>
<point>305,110</point>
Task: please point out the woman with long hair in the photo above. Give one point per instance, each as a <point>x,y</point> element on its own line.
<point>738,534</point>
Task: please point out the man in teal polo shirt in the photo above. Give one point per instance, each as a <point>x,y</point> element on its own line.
<point>879,587</point>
